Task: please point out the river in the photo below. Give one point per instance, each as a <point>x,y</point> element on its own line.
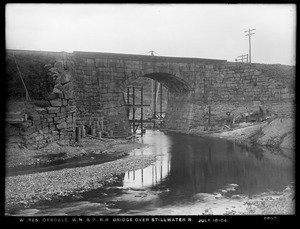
<point>190,173</point>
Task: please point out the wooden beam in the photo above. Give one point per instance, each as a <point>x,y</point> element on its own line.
<point>135,106</point>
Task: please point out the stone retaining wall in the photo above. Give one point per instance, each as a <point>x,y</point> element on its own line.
<point>57,121</point>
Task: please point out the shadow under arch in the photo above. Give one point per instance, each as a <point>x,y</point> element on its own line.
<point>173,83</point>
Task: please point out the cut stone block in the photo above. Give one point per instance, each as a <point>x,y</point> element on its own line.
<point>41,110</point>
<point>65,78</point>
<point>52,110</point>
<point>62,125</point>
<point>68,90</point>
<point>56,103</point>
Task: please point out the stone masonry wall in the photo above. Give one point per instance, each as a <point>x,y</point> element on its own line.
<point>98,97</point>
<point>231,87</point>
<point>57,121</point>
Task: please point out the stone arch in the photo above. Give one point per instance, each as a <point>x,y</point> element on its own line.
<point>173,83</point>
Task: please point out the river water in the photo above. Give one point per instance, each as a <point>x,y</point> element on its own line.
<point>189,172</point>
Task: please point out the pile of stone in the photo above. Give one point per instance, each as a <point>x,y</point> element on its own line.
<point>57,121</point>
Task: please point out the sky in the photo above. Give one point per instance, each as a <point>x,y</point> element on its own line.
<point>214,31</point>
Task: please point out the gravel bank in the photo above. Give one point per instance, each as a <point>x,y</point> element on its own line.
<point>283,204</point>
<point>25,190</point>
<point>17,156</point>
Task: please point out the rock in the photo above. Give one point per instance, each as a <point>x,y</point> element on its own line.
<point>52,110</point>
<point>59,66</point>
<point>52,96</point>
<point>237,197</point>
<point>288,141</point>
<point>83,152</point>
<point>41,103</point>
<point>41,110</point>
<point>62,125</point>
<point>56,102</point>
<point>57,94</point>
<point>65,78</point>
<point>68,90</point>
<point>48,66</point>
<point>53,70</point>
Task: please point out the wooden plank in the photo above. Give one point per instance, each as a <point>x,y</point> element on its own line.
<point>129,137</point>
<point>90,136</point>
<point>131,86</point>
<point>15,116</point>
<point>112,137</point>
<point>15,120</point>
<point>135,106</point>
<point>14,113</point>
<point>144,121</point>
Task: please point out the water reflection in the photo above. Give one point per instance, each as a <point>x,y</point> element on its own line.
<point>188,165</point>
<point>159,145</point>
<point>149,176</point>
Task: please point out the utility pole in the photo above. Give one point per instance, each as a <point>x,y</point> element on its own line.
<point>249,35</point>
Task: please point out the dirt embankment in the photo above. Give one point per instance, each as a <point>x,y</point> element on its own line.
<point>277,133</point>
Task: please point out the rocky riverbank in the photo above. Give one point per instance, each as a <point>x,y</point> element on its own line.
<point>26,190</point>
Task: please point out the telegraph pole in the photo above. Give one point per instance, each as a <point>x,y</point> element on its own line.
<point>249,35</point>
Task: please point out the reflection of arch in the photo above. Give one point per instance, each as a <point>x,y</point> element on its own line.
<point>172,83</point>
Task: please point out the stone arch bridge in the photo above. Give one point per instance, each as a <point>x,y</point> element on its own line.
<point>193,84</point>
<point>99,79</point>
